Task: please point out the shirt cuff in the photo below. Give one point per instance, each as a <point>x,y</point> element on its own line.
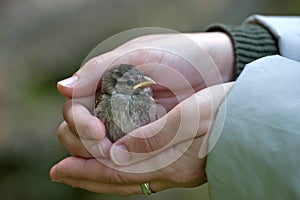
<point>250,42</point>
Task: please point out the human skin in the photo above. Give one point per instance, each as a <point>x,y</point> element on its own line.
<point>83,135</point>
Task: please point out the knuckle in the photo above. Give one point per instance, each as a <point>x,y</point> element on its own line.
<point>148,144</point>
<point>66,108</point>
<point>63,127</point>
<point>68,114</point>
<point>88,128</point>
<point>155,143</point>
<point>71,142</point>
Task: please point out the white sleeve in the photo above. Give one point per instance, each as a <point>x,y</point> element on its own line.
<point>287,31</point>
<point>256,155</point>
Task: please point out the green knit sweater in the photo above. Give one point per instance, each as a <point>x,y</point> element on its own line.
<point>250,42</point>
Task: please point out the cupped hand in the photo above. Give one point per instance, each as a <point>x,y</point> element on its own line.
<point>169,60</point>
<point>189,119</point>
<point>175,165</point>
<point>181,64</point>
<point>102,176</point>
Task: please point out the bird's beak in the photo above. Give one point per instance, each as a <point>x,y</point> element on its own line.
<point>146,83</point>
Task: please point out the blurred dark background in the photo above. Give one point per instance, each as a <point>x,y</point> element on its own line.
<point>43,41</point>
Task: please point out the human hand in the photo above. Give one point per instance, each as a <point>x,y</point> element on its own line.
<point>102,176</point>
<point>182,80</point>
<point>201,59</point>
<point>191,118</point>
<point>175,166</point>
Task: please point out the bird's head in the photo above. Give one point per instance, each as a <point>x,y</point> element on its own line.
<point>126,79</point>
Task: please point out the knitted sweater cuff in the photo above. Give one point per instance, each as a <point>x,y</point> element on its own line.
<point>250,42</point>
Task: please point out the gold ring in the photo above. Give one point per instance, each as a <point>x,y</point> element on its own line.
<point>146,189</point>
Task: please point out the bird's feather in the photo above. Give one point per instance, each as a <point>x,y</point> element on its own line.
<point>121,113</point>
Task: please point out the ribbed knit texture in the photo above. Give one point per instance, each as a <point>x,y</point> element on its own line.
<point>250,42</point>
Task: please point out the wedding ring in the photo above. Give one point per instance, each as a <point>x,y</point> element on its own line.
<point>146,189</point>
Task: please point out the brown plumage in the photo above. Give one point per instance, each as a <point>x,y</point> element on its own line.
<point>125,102</point>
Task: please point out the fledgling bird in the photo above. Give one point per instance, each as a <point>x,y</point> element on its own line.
<point>126,101</point>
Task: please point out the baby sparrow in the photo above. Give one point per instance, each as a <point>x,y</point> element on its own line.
<point>126,101</point>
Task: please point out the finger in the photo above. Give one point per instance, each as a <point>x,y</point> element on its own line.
<point>72,142</point>
<point>83,128</point>
<point>174,127</point>
<point>81,121</point>
<point>116,189</point>
<point>101,187</point>
<point>191,118</point>
<point>82,173</point>
<point>85,81</point>
<point>93,169</point>
<point>80,147</point>
<point>87,128</point>
<point>67,172</point>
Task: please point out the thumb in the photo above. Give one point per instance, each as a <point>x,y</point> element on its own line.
<point>178,125</point>
<point>191,118</point>
<point>85,81</point>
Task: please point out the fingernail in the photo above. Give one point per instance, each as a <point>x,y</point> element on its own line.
<point>119,154</point>
<point>101,149</point>
<point>69,82</point>
<point>104,147</point>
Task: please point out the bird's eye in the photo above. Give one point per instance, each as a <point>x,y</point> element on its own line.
<point>130,82</point>
<point>140,77</point>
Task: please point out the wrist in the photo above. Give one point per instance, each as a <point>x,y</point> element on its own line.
<point>219,47</point>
